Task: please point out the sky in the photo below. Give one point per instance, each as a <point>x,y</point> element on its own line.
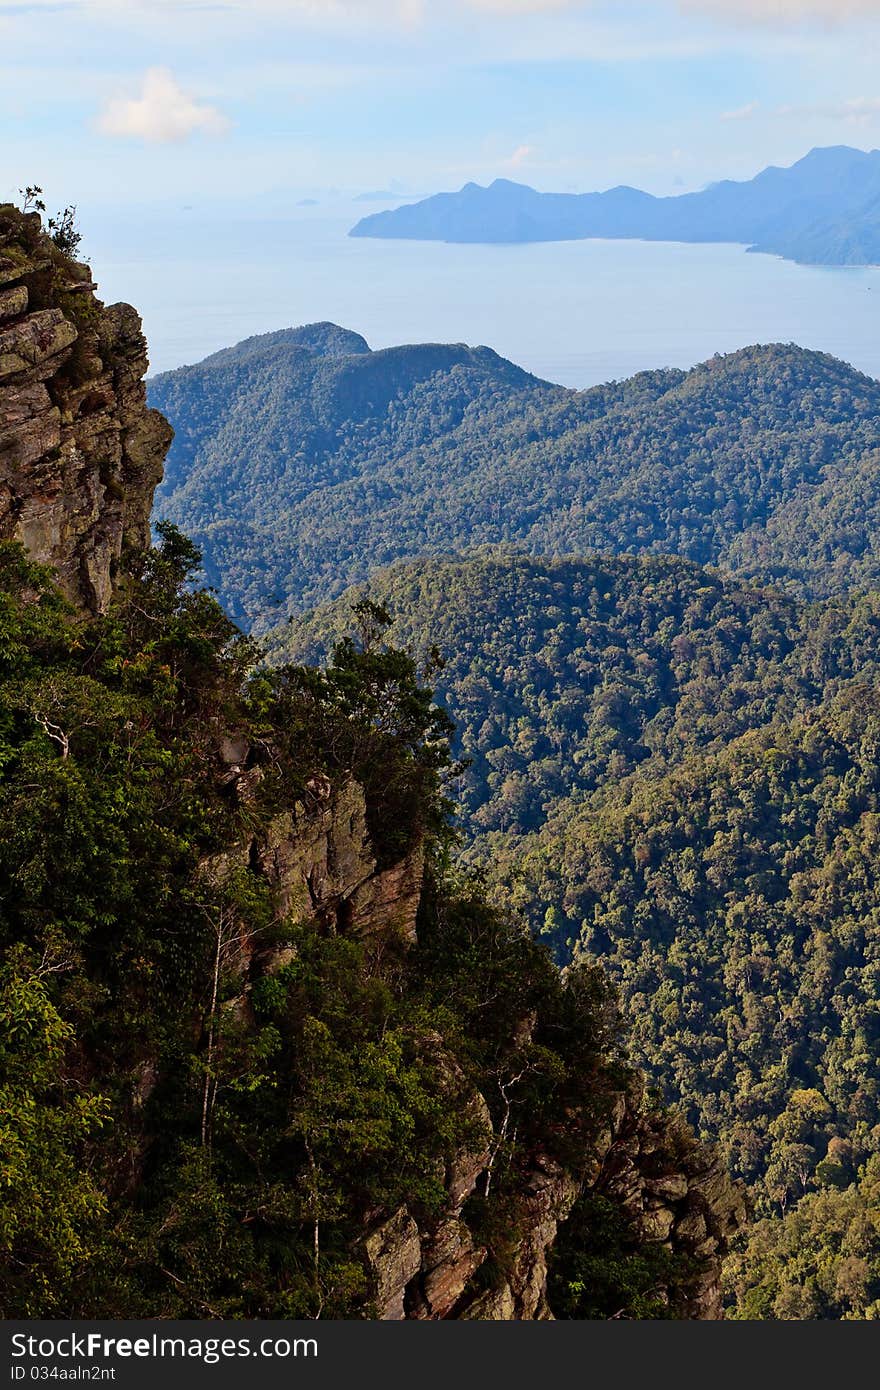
<point>265,102</point>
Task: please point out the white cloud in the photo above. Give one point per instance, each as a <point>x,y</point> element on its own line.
<point>742,113</point>
<point>521,155</point>
<point>163,113</point>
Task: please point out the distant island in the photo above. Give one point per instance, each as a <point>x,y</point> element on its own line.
<point>823,210</point>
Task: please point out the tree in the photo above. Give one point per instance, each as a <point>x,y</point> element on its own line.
<point>50,1204</point>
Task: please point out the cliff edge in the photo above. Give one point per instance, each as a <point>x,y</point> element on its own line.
<point>80,452</point>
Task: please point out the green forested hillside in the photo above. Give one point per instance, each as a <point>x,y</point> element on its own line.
<point>735,903</point>
<point>821,1260</point>
<point>563,675</point>
<point>299,472</point>
<point>822,540</point>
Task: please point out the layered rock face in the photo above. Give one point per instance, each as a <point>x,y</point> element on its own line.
<point>318,861</point>
<point>685,1203</point>
<point>80,453</point>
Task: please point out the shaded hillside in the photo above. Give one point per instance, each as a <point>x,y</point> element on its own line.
<point>299,473</point>
<point>822,210</point>
<point>564,674</point>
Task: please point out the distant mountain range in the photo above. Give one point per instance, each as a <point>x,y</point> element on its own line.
<point>303,461</point>
<point>824,210</point>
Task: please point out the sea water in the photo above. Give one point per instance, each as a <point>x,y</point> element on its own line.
<point>576,312</point>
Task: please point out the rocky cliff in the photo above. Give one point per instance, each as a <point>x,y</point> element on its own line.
<point>684,1205</point>
<point>80,453</point>
<point>675,1195</point>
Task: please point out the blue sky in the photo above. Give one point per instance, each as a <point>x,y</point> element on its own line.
<point>158,101</point>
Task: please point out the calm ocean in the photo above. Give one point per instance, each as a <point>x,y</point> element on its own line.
<point>573,312</point>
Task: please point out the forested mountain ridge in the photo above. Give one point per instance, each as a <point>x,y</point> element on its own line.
<point>263,1052</point>
<point>298,474</point>
<point>823,210</point>
<point>287,396</point>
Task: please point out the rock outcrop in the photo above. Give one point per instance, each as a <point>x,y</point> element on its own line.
<point>318,860</point>
<point>675,1192</point>
<point>320,864</point>
<point>80,453</point>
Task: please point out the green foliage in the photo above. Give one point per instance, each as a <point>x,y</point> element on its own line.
<point>32,199</point>
<point>108,800</point>
<point>734,903</point>
<point>369,713</point>
<point>104,734</point>
<point>822,1260</point>
<point>50,1203</point>
<point>62,227</point>
<point>64,232</point>
<point>111,801</point>
<point>602,1269</point>
<point>327,1106</point>
<point>563,675</point>
<point>675,775</point>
